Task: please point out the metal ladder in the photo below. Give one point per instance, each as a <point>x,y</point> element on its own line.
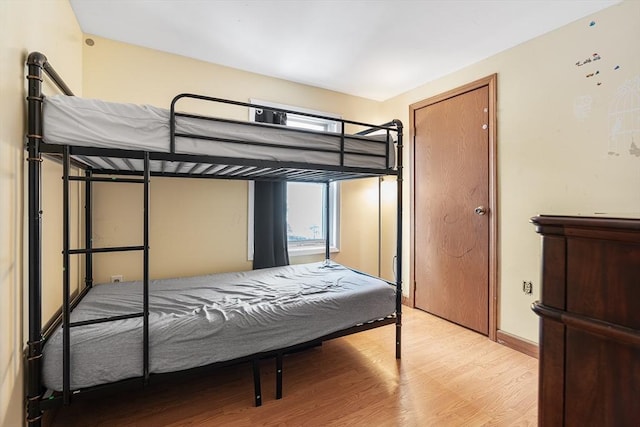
<point>89,250</point>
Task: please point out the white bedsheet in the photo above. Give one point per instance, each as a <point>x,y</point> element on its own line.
<point>201,320</point>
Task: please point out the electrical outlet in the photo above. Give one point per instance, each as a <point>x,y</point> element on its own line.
<point>116,278</point>
<point>527,287</point>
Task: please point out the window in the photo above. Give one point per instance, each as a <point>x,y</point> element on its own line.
<point>300,121</point>
<point>312,123</point>
<point>305,201</point>
<point>306,217</point>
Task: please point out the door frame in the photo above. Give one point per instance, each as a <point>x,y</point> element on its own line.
<point>491,82</point>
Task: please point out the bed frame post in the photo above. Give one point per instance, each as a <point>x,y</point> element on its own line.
<point>380,179</point>
<point>279,375</point>
<point>35,64</point>
<point>327,222</point>
<point>399,127</point>
<point>88,230</point>
<point>147,174</point>
<point>66,285</point>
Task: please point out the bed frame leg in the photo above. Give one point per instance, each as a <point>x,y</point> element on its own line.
<point>34,358</point>
<point>279,376</point>
<point>256,381</point>
<point>399,337</point>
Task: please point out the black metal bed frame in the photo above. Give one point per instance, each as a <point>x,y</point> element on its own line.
<point>38,399</point>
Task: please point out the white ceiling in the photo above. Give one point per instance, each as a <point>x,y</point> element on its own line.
<point>374,49</point>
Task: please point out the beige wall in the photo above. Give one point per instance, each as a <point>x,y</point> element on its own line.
<point>359,233</point>
<point>197,226</point>
<point>200,226</point>
<point>556,128</point>
<point>49,27</point>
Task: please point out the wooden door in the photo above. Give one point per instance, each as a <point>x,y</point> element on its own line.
<point>451,208</point>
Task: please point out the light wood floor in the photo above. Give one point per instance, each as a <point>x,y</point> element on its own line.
<point>448,376</point>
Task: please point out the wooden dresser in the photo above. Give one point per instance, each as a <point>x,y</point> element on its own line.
<point>590,321</point>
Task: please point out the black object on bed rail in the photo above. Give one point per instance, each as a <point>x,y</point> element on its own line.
<point>145,163</point>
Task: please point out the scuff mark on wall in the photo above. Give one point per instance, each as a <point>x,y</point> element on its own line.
<point>582,106</point>
<point>624,118</point>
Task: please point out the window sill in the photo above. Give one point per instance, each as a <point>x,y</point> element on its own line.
<point>306,250</point>
<point>310,250</point>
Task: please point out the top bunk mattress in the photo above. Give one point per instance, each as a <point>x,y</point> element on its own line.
<point>70,120</point>
<point>201,320</point>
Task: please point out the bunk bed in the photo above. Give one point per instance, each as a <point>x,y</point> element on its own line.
<point>282,309</point>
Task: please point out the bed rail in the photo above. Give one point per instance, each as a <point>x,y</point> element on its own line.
<point>389,129</point>
<point>369,128</point>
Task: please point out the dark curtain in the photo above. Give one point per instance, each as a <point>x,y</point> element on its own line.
<point>264,115</point>
<point>270,225</point>
<point>270,212</point>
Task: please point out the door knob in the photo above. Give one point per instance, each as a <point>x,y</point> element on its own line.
<point>480,210</point>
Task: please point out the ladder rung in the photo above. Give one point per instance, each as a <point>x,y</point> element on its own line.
<point>105,179</point>
<point>105,319</point>
<point>112,249</point>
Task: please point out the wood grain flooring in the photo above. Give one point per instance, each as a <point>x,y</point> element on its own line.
<point>448,376</point>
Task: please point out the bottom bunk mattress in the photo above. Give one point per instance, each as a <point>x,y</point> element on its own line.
<point>201,320</point>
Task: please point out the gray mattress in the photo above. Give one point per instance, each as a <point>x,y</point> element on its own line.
<point>201,320</point>
<point>70,120</point>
